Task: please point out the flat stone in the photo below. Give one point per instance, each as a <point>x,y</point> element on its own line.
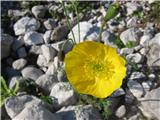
<point>14,105</point>
<point>120,112</point>
<point>150,104</point>
<point>42,61</point>
<point>50,24</point>
<point>135,58</point>
<point>130,35</point>
<point>26,24</point>
<point>39,11</point>
<point>80,112</point>
<point>63,94</point>
<point>87,32</point>
<point>46,82</point>
<point>19,64</point>
<point>33,38</point>
<point>48,52</point>
<point>31,72</point>
<point>135,88</point>
<point>47,36</point>
<point>35,49</point>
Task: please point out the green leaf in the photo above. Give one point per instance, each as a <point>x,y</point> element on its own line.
<point>112,11</point>
<point>4,88</point>
<point>130,44</point>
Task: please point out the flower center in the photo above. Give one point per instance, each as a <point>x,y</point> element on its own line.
<point>97,67</point>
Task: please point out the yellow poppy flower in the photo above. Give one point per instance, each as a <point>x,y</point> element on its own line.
<point>95,69</point>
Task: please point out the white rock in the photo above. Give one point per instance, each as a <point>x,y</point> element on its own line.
<point>47,36</point>
<point>126,51</point>
<point>153,56</point>
<point>33,38</point>
<point>21,52</point>
<point>143,51</point>
<point>46,82</point>
<point>34,112</point>
<point>132,7</point>
<point>14,105</point>
<point>132,22</point>
<point>145,39</point>
<point>147,85</point>
<point>87,32</point>
<point>41,61</point>
<point>120,112</point>
<point>19,64</point>
<point>48,52</point>
<point>135,88</point>
<point>137,75</point>
<point>130,35</point>
<point>63,94</point>
<point>39,11</point>
<point>135,58</point>
<point>80,112</point>
<point>26,24</point>
<point>150,104</point>
<point>52,69</point>
<point>35,49</point>
<point>31,72</point>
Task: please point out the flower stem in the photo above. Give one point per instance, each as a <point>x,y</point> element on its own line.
<point>68,23</point>
<point>75,7</point>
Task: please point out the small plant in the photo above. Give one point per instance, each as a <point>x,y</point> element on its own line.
<point>6,91</point>
<point>134,66</point>
<point>130,44</point>
<point>46,98</point>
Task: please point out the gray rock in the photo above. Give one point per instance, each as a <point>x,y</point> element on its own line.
<point>118,92</point>
<point>59,33</point>
<point>42,61</point>
<point>126,51</point>
<point>19,42</point>
<point>147,85</point>
<point>130,34</point>
<point>33,112</point>
<point>52,69</point>
<point>31,72</point>
<point>61,75</point>
<point>39,11</point>
<point>137,48</point>
<point>137,76</point>
<point>9,61</point>
<point>121,111</point>
<point>26,24</point>
<point>50,24</point>
<point>135,88</point>
<point>35,49</point>
<point>150,104</point>
<point>135,58</point>
<point>48,52</point>
<point>143,51</point>
<point>80,112</point>
<point>14,105</point>
<point>46,82</point>
<point>47,36</point>
<point>10,72</point>
<point>15,79</point>
<point>67,46</point>
<point>17,13</point>
<point>153,56</point>
<point>6,41</point>
<point>87,32</point>
<point>63,94</point>
<point>19,64</point>
<point>132,7</point>
<point>33,38</point>
<point>21,52</point>
<point>108,38</point>
<point>132,22</point>
<point>145,39</point>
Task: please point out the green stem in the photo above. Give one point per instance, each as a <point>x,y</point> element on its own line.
<point>101,30</point>
<point>69,25</point>
<point>75,7</point>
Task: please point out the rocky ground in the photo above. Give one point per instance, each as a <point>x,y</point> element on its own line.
<point>32,35</point>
